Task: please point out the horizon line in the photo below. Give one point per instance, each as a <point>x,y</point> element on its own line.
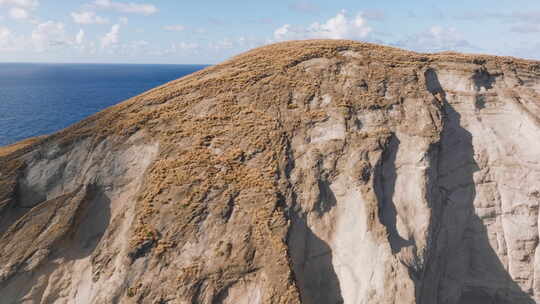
<point>101,63</point>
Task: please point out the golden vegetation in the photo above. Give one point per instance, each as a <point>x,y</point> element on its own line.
<point>223,134</point>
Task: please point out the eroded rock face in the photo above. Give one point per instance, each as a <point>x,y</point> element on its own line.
<point>302,172</point>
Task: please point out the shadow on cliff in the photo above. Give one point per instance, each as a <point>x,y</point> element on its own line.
<point>327,199</point>
<point>89,225</point>
<point>472,273</point>
<point>312,264</point>
<point>385,185</point>
<point>87,229</point>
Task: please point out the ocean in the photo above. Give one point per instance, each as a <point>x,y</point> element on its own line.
<point>38,99</point>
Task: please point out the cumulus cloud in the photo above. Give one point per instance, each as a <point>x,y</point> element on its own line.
<point>111,37</point>
<point>49,34</point>
<point>79,39</point>
<point>286,30</point>
<point>18,13</point>
<point>132,48</point>
<point>5,35</point>
<point>222,44</point>
<point>87,17</point>
<point>183,46</point>
<point>232,46</point>
<point>436,39</point>
<point>176,48</point>
<point>174,28</point>
<point>340,26</point>
<point>19,9</point>
<point>21,3</point>
<point>123,7</point>
<point>11,42</point>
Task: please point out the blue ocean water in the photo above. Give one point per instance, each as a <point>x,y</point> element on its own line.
<point>37,99</point>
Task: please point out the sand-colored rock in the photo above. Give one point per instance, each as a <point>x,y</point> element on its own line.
<point>300,172</point>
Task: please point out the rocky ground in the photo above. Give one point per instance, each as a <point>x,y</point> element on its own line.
<point>300,172</point>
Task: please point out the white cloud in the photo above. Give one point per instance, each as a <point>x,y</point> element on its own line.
<point>11,42</point>
<point>186,45</point>
<point>4,33</point>
<point>80,37</point>
<point>174,28</point>
<point>282,32</point>
<point>18,13</point>
<point>123,20</point>
<point>222,44</point>
<point>123,7</point>
<point>127,49</point>
<point>88,17</point>
<point>5,37</point>
<point>19,9</point>
<point>436,39</point>
<point>133,48</point>
<point>92,48</point>
<point>340,26</point>
<point>21,3</point>
<point>178,48</point>
<point>111,37</point>
<point>49,34</point>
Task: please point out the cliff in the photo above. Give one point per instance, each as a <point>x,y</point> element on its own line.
<point>300,172</point>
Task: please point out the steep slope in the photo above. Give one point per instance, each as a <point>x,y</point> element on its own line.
<point>300,172</point>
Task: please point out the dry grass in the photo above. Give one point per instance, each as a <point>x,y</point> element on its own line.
<point>231,77</point>
<point>6,150</point>
<point>223,135</point>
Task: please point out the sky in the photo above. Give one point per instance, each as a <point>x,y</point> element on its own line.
<point>209,31</point>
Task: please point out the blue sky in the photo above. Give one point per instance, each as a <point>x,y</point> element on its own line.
<point>205,31</point>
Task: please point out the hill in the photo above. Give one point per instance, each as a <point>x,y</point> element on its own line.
<point>320,171</point>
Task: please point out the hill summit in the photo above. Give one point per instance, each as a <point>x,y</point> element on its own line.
<point>321,171</point>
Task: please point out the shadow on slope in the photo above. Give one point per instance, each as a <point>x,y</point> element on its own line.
<point>327,199</point>
<point>470,270</point>
<point>85,223</point>
<point>312,265</point>
<point>90,224</point>
<point>385,184</point>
